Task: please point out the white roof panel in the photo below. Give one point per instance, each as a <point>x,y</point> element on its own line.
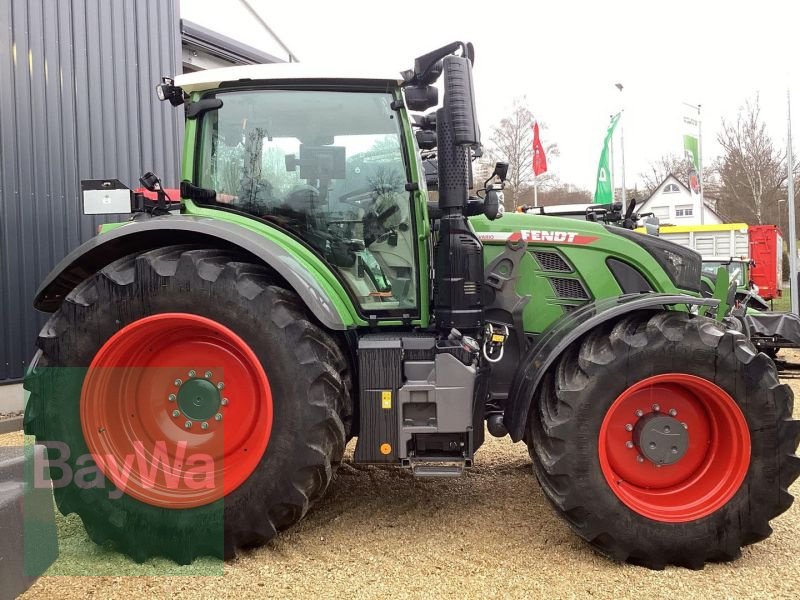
<point>212,78</point>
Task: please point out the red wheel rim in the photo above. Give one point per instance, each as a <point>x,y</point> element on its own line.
<point>705,477</point>
<point>176,410</point>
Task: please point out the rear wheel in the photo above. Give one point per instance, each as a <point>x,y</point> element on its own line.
<point>199,408</point>
<point>665,439</point>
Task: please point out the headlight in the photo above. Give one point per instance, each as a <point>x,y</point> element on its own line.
<point>681,264</point>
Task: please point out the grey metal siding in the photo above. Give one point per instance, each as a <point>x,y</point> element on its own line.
<point>77,101</point>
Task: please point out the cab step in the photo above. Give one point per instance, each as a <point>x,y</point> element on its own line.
<point>438,467</point>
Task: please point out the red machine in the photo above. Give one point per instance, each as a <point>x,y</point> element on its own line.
<point>766,250</point>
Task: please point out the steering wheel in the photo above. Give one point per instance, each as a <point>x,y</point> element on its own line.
<point>358,196</point>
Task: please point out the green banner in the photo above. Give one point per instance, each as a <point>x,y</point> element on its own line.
<point>690,149</point>
<point>603,193</point>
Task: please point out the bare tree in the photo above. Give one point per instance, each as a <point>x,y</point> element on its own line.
<point>512,142</point>
<point>658,171</point>
<point>559,194</point>
<point>751,170</point>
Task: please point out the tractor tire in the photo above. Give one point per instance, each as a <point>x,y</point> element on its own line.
<point>230,403</point>
<point>665,439</point>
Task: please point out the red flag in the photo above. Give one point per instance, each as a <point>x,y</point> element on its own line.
<point>539,158</point>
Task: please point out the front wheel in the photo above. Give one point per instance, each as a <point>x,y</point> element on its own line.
<point>665,439</point>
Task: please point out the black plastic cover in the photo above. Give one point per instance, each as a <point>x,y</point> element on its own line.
<point>683,265</point>
<point>458,285</point>
<point>770,324</point>
<point>630,280</point>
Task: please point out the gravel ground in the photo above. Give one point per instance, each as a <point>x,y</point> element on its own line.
<point>380,533</point>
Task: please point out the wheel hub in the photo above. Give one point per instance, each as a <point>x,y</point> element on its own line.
<point>199,399</point>
<point>660,438</point>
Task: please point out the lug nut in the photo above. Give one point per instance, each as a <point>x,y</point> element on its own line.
<point>220,385</point>
<point>172,397</point>
<point>674,449</point>
<point>652,445</point>
<point>176,413</point>
<point>656,408</point>
<point>188,424</point>
<point>204,425</point>
<point>629,444</point>
<point>658,465</point>
<point>672,412</point>
<point>192,373</point>
<point>628,427</point>
<point>178,382</point>
<point>224,402</point>
<point>639,412</point>
<point>639,458</point>
<point>208,374</point>
<point>667,429</point>
<point>685,426</point>
<point>218,417</point>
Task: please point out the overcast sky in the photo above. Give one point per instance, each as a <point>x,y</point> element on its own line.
<point>567,56</point>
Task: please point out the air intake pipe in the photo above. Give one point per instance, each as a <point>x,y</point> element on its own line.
<point>458,282</point>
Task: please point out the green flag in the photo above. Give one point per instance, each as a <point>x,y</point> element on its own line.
<point>603,193</point>
<point>690,148</point>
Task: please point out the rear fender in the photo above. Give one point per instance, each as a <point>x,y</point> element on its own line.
<point>552,343</point>
<point>329,304</point>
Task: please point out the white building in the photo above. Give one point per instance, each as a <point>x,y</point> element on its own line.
<point>673,203</point>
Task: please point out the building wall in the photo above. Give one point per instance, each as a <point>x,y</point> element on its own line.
<point>673,203</point>
<point>78,102</point>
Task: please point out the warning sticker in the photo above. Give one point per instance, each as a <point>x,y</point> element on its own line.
<point>386,399</point>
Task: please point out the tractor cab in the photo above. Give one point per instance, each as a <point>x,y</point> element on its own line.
<point>324,163</point>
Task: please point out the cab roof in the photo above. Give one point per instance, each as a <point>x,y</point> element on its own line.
<point>213,78</point>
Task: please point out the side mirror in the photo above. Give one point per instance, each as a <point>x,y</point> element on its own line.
<point>652,226</point>
<point>500,171</point>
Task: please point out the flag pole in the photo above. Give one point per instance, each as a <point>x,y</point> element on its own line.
<point>622,148</point>
<point>611,163</point>
<point>790,201</point>
<point>535,191</point>
<point>700,165</point>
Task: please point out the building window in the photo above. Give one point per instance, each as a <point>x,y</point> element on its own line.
<point>684,211</point>
<point>662,212</point>
<point>671,188</point>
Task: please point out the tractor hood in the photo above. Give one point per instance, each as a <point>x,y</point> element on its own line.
<point>537,229</point>
<point>667,267</point>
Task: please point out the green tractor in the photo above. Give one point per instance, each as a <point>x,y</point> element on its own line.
<point>208,360</point>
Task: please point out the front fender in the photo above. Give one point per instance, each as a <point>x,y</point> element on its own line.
<point>552,343</point>
<point>328,302</point>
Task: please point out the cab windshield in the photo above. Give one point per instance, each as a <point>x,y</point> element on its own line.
<point>737,270</point>
<point>327,166</point>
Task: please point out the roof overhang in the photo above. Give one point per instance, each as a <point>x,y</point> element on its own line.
<point>214,78</point>
<point>220,46</point>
